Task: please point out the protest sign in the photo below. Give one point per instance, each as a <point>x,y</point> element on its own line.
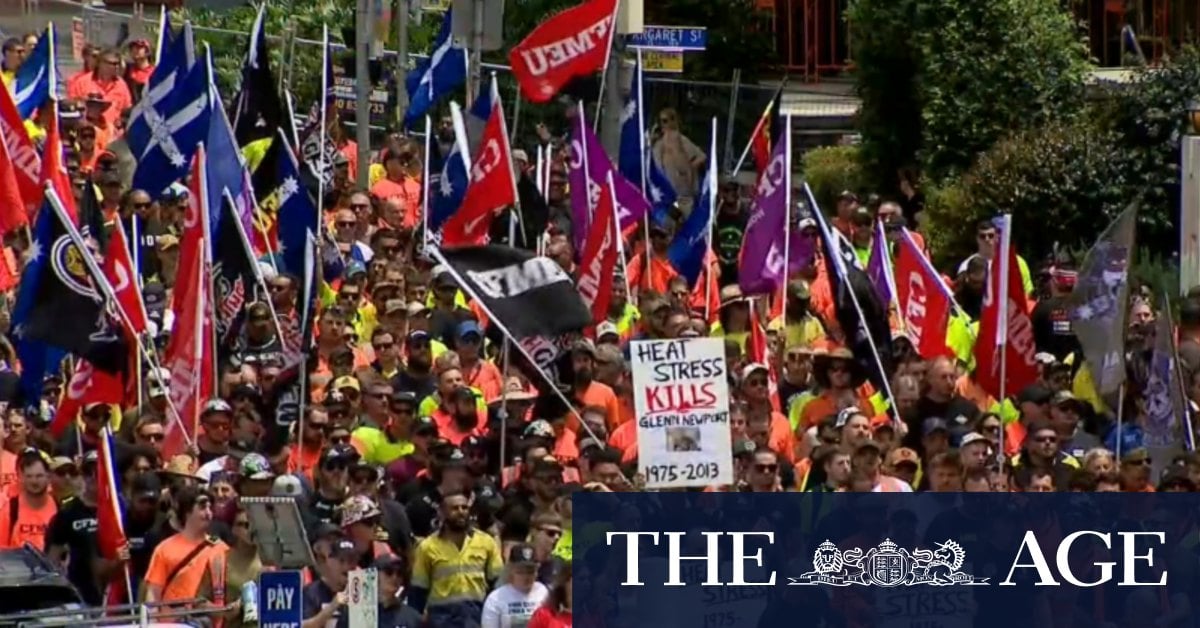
<point>681,396</point>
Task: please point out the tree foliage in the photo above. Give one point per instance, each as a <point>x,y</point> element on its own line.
<point>1062,183</point>
<point>943,80</point>
<point>830,170</point>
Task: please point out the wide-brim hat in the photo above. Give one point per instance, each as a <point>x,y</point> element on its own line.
<point>823,359</point>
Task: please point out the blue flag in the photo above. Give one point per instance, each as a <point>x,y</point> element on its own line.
<point>176,127</point>
<point>631,158</point>
<point>450,187</point>
<point>37,78</point>
<point>38,359</point>
<point>444,71</point>
<point>177,60</point>
<point>691,243</point>
<point>297,212</point>
<point>225,171</point>
<point>660,192</point>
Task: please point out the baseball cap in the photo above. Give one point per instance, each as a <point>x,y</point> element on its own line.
<point>584,345</point>
<point>347,381</point>
<point>358,508</point>
<point>869,445</point>
<point>540,429</point>
<point>466,328</point>
<point>1034,393</point>
<point>972,437</point>
<point>255,467</point>
<point>607,328</point>
<point>1065,398</point>
<point>903,454</point>
<point>355,268</point>
<point>522,554</point>
<point>744,447</point>
<point>751,368</point>
<point>425,426</point>
<point>338,452</point>
<point>417,335</point>
<point>343,549</point>
<point>392,306</point>
<point>61,462</point>
<point>146,486</point>
<point>388,562</point>
<point>934,424</point>
<point>215,406</point>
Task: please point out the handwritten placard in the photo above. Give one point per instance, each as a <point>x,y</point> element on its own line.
<point>681,396</point>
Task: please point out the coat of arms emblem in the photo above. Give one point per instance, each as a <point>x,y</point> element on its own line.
<point>888,565</point>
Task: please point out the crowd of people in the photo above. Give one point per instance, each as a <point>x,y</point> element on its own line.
<point>418,454</point>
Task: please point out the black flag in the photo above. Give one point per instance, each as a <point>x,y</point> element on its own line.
<point>850,284</point>
<point>258,109</point>
<point>233,271</point>
<point>529,295</point>
<point>67,309</point>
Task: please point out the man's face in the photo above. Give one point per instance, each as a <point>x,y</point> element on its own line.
<point>607,474</point>
<point>764,470</point>
<point>935,442</point>
<point>941,379</point>
<point>985,239</point>
<point>944,479</point>
<point>375,401</point>
<point>857,430</point>
<point>151,434</point>
<point>385,348</point>
<point>281,291</point>
<point>975,455</point>
<point>14,56</point>
<point>315,428</point>
<point>35,479</point>
<point>218,427</point>
<point>1041,483</point>
<point>839,374</point>
<point>755,387</point>
<point>449,381</point>
<point>108,67</point>
<point>456,512</point>
<point>201,514</point>
<point>350,295</point>
<point>1044,443</point>
<point>1064,419</point>
<point>837,468</point>
<point>345,225</point>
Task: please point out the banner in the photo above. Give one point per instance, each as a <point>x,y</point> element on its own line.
<point>573,43</point>
<point>922,298</point>
<point>1004,326</point>
<point>681,399</point>
<point>1099,302</point>
<point>761,269</point>
<point>588,167</point>
<point>598,263</point>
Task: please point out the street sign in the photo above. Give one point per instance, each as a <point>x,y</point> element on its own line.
<point>493,23</point>
<point>279,599</point>
<point>363,589</point>
<point>670,38</point>
<point>664,61</point>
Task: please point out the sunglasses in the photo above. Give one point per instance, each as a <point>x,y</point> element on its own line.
<point>360,206</point>
<point>319,426</point>
<point>335,466</point>
<point>384,346</point>
<point>345,223</point>
<point>756,382</point>
<point>1046,439</point>
<point>153,436</point>
<point>67,473</point>
<point>766,468</point>
<point>987,236</point>
<point>340,440</point>
<point>349,294</point>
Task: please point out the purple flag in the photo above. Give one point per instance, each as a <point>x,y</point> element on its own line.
<point>762,267</point>
<point>631,205</point>
<point>879,267</point>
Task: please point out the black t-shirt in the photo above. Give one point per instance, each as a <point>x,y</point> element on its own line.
<point>422,508</point>
<point>1052,328</point>
<point>928,408</point>
<point>394,616</point>
<point>143,537</point>
<point>444,324</point>
<point>256,354</point>
<point>788,392</point>
<point>324,508</point>
<point>317,595</point>
<point>148,232</point>
<point>74,525</point>
<point>422,387</point>
<point>728,232</point>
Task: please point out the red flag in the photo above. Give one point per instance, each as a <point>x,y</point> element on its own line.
<point>573,43</point>
<point>118,269</point>
<point>492,186</point>
<point>110,530</point>
<point>1004,326</point>
<point>12,207</point>
<point>187,351</point>
<point>191,240</point>
<point>760,142</point>
<point>87,385</point>
<point>21,153</point>
<point>759,351</point>
<point>53,169</point>
<point>599,260</point>
<point>923,299</point>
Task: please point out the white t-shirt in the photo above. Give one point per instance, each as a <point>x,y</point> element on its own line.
<point>507,607</point>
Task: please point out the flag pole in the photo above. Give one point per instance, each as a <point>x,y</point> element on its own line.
<point>1120,419</point>
<point>436,253</point>
<point>787,213</point>
<point>1189,433</point>
<point>713,190</point>
<point>103,284</point>
<point>324,105</point>
<point>762,120</point>
<point>646,157</point>
<point>428,191</point>
<point>608,47</point>
<point>616,226</point>
<point>162,34</point>
<point>1001,292</point>
<point>517,214</point>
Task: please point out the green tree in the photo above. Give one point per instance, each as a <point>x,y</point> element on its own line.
<point>989,68</point>
<point>1062,182</point>
<point>943,80</point>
